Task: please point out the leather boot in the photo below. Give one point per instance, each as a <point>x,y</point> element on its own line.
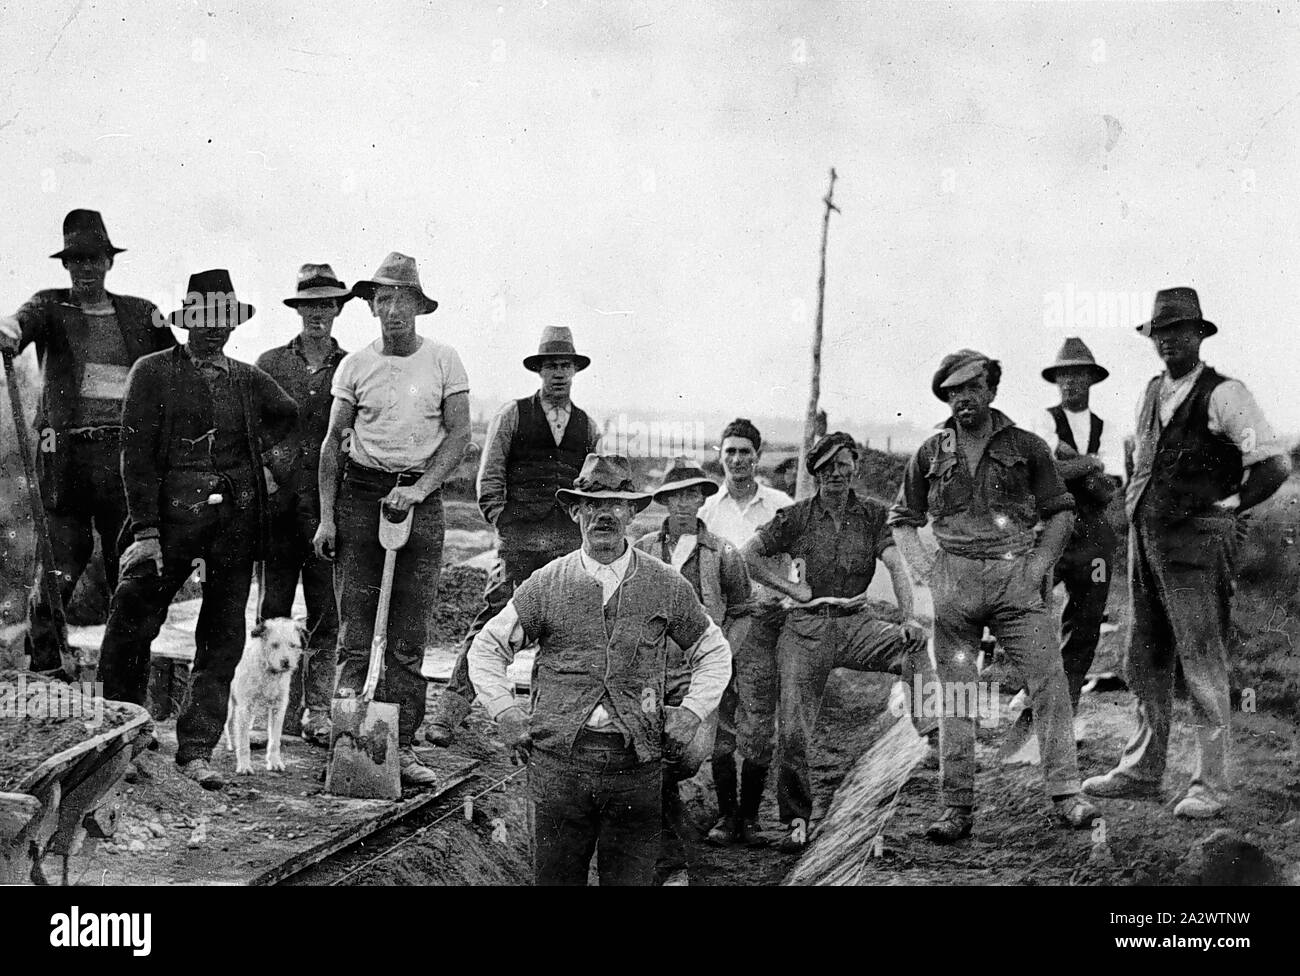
<point>724,781</point>
<point>448,712</point>
<point>753,778</point>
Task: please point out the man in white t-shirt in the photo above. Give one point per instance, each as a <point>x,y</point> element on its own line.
<point>1089,455</point>
<point>402,406</point>
<point>747,714</point>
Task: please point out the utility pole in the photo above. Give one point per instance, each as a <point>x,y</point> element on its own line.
<point>804,486</point>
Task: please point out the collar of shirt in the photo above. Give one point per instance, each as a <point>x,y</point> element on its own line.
<point>1173,392</point>
<point>218,362</point>
<point>558,417</point>
<point>335,354</point>
<point>821,510</point>
<point>608,575</point>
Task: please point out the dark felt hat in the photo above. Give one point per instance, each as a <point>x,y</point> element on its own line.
<point>317,281</point>
<point>84,233</point>
<point>210,302</point>
<point>1174,305</point>
<point>685,473</point>
<point>557,341</point>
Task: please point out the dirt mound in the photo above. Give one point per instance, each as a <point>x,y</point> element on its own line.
<point>460,597</point>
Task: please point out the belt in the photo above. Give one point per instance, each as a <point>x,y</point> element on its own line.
<point>829,610</point>
<point>106,432</point>
<point>353,471</point>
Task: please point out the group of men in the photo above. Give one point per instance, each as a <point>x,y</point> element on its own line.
<point>712,635</point>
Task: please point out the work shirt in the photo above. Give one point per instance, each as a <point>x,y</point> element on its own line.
<point>838,561</point>
<point>728,591</point>
<point>1233,413</point>
<point>398,401</point>
<point>1110,451</point>
<point>992,513</point>
<point>737,522</point>
<point>97,343</point>
<point>492,494</point>
<point>294,462</point>
<point>503,637</point>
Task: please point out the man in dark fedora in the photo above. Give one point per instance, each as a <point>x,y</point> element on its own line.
<point>837,537</point>
<point>535,445</point>
<point>405,401</point>
<point>985,484</point>
<point>305,369</point>
<point>599,727</point>
<point>86,342</point>
<point>1089,456</point>
<point>716,571</point>
<point>197,428</point>
<point>1204,455</point>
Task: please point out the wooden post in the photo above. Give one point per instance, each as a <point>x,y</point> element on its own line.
<point>804,486</point>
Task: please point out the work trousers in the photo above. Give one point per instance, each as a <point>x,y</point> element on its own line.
<point>1180,588</point>
<point>757,681</point>
<point>1085,568</point>
<point>525,548</point>
<point>811,646</point>
<point>358,569</point>
<point>600,798</point>
<point>969,595</point>
<point>289,557</point>
<point>217,542</point>
<point>91,501</point>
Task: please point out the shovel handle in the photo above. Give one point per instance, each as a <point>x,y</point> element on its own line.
<point>379,643</point>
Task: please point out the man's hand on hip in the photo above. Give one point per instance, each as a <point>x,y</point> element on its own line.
<point>516,733</point>
<point>680,726</point>
<point>142,551</point>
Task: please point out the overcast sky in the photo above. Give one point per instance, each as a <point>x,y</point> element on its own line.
<point>651,174</point>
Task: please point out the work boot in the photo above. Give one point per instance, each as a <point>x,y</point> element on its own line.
<point>723,832</point>
<point>955,824</point>
<point>1117,785</point>
<point>749,833</point>
<point>1075,812</point>
<point>316,729</point>
<point>448,712</point>
<point>414,771</point>
<point>753,778</point>
<point>203,774</point>
<point>1198,804</point>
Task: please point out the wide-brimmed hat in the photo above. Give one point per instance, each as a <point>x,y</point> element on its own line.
<point>604,476</point>
<point>827,447</point>
<point>957,368</point>
<point>1075,353</point>
<point>84,233</point>
<point>399,271</point>
<point>684,473</point>
<point>317,281</point>
<point>210,302</point>
<point>1174,305</point>
<point>557,341</point>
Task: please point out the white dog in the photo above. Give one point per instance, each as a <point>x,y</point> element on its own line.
<point>261,687</point>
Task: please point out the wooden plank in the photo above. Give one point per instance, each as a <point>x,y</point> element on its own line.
<point>300,862</point>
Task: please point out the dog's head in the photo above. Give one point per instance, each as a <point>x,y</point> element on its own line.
<point>281,640</point>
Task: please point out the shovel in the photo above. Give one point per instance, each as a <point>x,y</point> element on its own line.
<point>363,742</point>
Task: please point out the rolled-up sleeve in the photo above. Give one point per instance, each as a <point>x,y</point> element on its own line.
<point>492,469</point>
<point>912,502</point>
<point>1234,413</point>
<point>494,647</point>
<point>710,662</point>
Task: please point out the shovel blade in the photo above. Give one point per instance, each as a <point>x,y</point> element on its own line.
<point>363,750</point>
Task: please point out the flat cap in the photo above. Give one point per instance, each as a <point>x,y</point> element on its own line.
<point>957,368</point>
<point>827,447</point>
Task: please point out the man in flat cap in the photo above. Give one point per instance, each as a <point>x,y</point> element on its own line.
<point>198,426</point>
<point>1089,456</point>
<point>403,403</point>
<point>1204,455</point>
<point>747,715</point>
<point>836,537</point>
<point>305,367</point>
<point>716,571</point>
<point>605,617</point>
<point>985,484</point>
<point>535,446</point>
<point>86,342</point>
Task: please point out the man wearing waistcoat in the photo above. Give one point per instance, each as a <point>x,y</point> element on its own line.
<point>1089,455</point>
<point>86,342</point>
<point>1204,454</point>
<point>716,571</point>
<point>197,428</point>
<point>305,369</point>
<point>605,617</point>
<point>535,446</point>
